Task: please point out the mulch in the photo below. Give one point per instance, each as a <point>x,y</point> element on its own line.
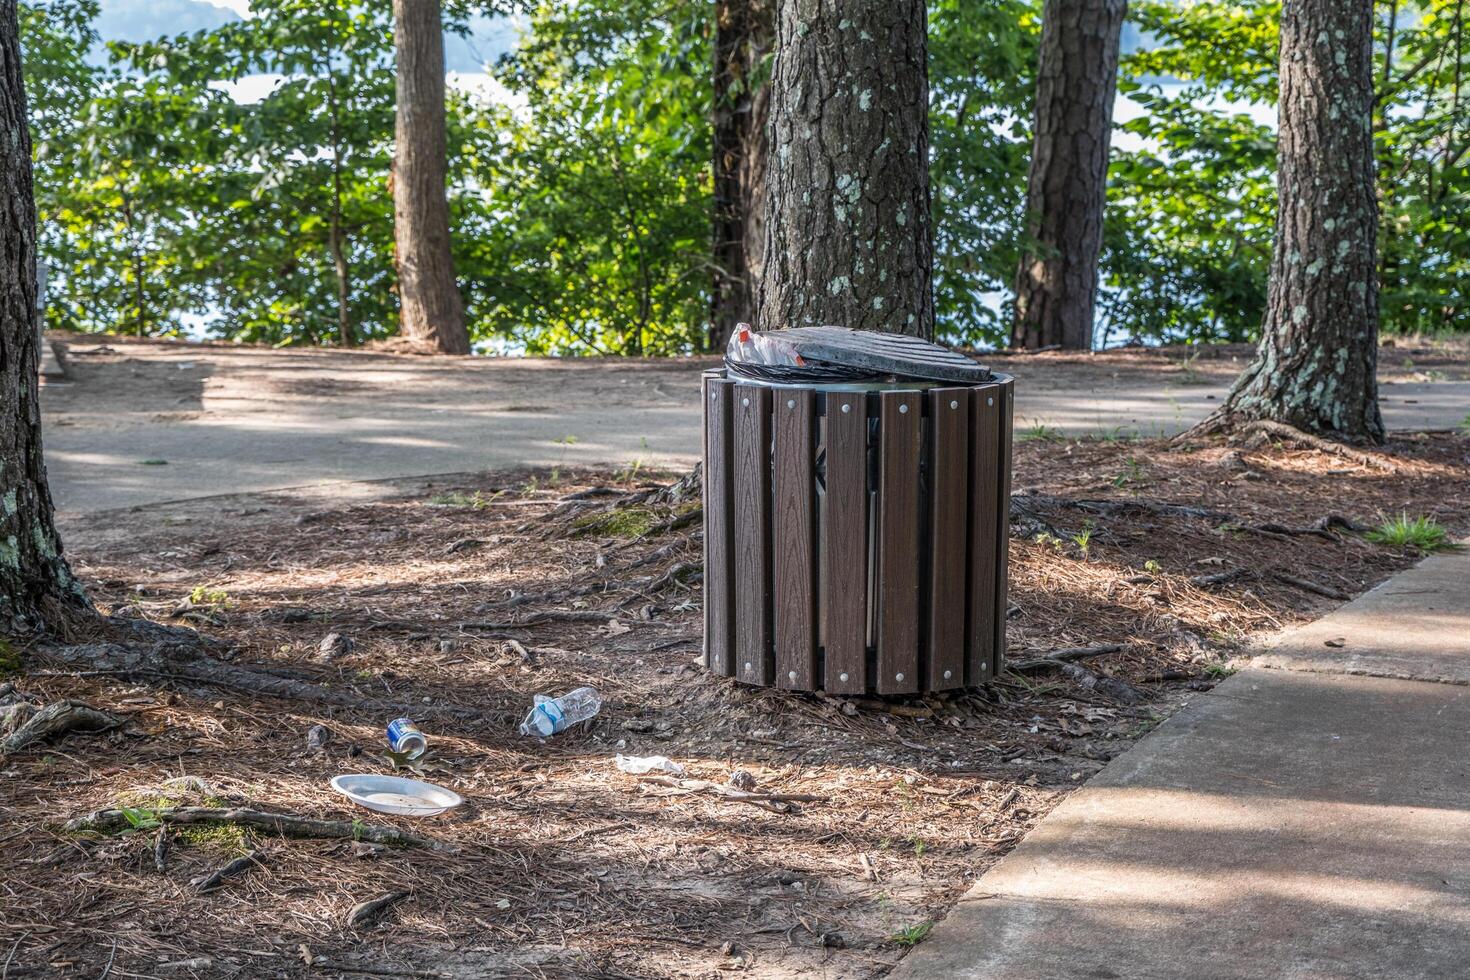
<point>460,601</point>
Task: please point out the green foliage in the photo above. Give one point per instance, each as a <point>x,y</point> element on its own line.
<point>1403,531</point>
<point>579,174</point>
<point>591,234</point>
<point>982,57</point>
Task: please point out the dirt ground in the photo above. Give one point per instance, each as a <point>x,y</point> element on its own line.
<point>464,597</point>
<point>147,421</point>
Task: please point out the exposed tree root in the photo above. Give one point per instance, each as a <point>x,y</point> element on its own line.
<point>1265,431</point>
<point>59,718</point>
<point>1117,507</point>
<point>150,651</point>
<point>284,824</point>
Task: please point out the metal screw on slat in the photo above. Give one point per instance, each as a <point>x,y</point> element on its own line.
<point>791,403</point>
<point>948,674</point>
<point>990,401</point>
<point>712,396</point>
<point>747,666</point>
<point>898,677</point>
<point>846,409</point>
<point>842,677</point>
<point>792,675</point>
<point>954,404</point>
<point>903,409</point>
<point>745,402</point>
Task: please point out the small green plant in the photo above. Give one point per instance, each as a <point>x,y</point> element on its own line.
<point>630,472</point>
<point>1219,670</point>
<point>1152,567</point>
<point>140,818</point>
<point>458,498</point>
<point>1083,538</point>
<point>567,440</point>
<point>152,462</point>
<point>1132,473</point>
<point>1041,432</point>
<point>911,935</point>
<point>1423,533</point>
<point>205,596</point>
<point>1465,425</point>
<point>357,828</point>
<point>917,843</point>
<point>1046,538</point>
<point>1191,373</point>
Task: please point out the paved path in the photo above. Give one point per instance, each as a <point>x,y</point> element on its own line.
<point>1308,818</point>
<point>141,422</point>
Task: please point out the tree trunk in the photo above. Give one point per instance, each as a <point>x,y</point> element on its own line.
<point>432,311</point>
<point>1076,84</point>
<point>743,37</point>
<point>35,583</point>
<point>848,238</point>
<point>1316,366</point>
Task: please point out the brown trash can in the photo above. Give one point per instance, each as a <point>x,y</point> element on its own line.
<point>856,535</point>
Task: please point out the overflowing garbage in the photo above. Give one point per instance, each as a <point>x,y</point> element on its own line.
<point>837,355</point>
<point>552,715</point>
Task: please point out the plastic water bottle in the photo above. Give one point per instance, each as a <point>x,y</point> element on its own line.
<point>552,715</point>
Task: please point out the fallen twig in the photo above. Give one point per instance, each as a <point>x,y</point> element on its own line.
<point>285,824</point>
<point>1309,586</point>
<point>1220,578</point>
<point>774,802</point>
<point>208,883</point>
<point>1062,656</point>
<point>365,913</point>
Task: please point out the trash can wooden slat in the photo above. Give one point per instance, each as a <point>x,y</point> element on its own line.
<point>855,539</point>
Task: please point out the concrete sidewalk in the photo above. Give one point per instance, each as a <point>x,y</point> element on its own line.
<point>1309,818</point>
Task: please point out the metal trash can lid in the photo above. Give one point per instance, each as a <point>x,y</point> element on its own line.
<point>884,353</point>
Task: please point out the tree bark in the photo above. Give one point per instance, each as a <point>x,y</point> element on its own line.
<point>431,309</point>
<point>848,237</point>
<point>744,32</point>
<point>1316,366</point>
<point>36,585</point>
<point>1076,84</point>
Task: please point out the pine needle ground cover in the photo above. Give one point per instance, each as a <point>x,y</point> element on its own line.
<point>862,821</point>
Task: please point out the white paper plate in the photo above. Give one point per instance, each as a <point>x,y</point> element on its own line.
<point>394,794</point>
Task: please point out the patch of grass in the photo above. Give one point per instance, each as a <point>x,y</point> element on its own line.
<point>1083,538</point>
<point>621,522</point>
<point>911,935</point>
<point>565,441</point>
<point>1465,425</point>
<point>1152,567</point>
<point>1041,432</point>
<point>1219,670</point>
<point>1423,533</point>
<point>458,498</point>
<point>152,462</point>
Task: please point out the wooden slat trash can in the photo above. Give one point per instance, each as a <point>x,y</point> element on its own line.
<point>856,536</point>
